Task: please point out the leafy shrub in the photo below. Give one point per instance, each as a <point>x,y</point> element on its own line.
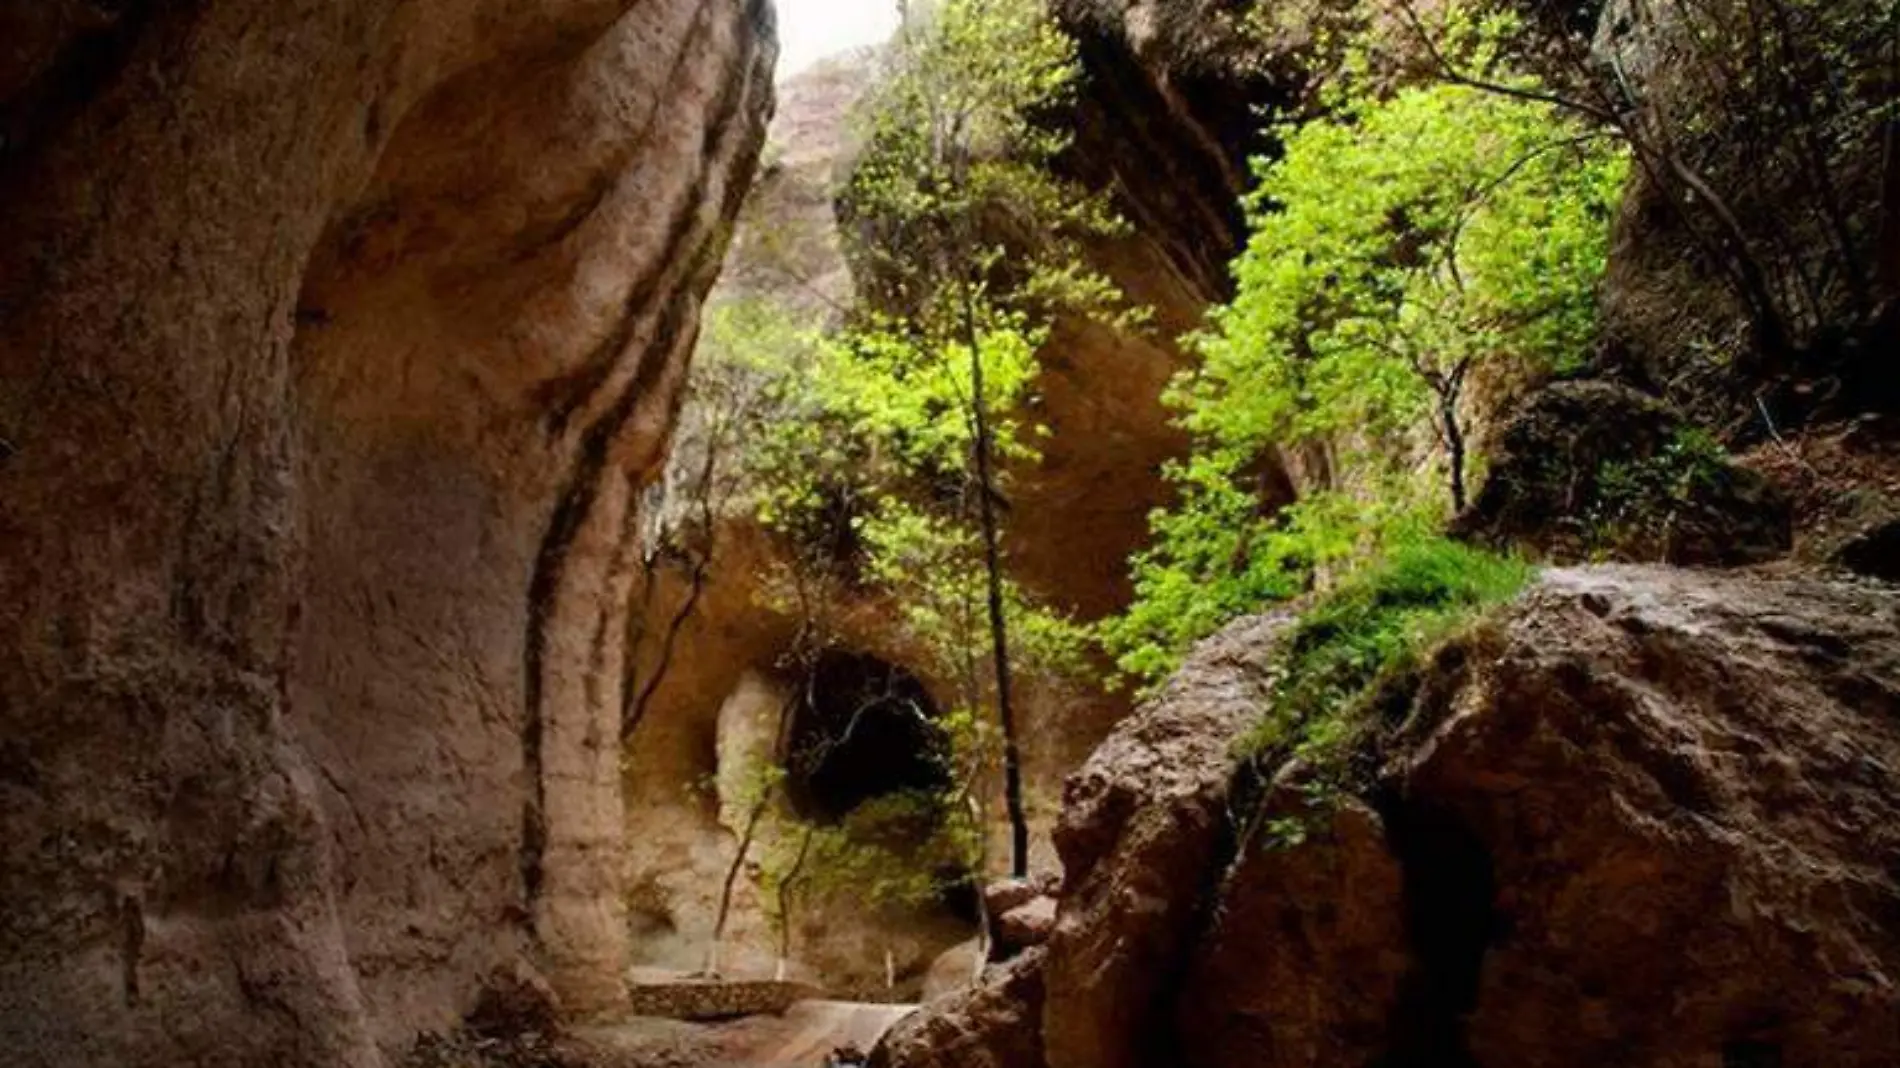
<point>1640,500</point>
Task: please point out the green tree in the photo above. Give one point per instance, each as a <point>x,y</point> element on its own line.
<point>956,157</point>
<point>1751,121</point>
<point>1403,246</point>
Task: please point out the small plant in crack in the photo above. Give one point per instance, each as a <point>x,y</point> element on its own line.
<point>1644,499</point>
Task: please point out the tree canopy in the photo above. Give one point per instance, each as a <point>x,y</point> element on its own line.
<point>1407,248</point>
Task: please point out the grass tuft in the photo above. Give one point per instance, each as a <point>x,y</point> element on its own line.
<point>1357,643</point>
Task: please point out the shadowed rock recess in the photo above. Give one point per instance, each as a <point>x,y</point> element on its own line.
<point>336,337</point>
<point>1644,817</point>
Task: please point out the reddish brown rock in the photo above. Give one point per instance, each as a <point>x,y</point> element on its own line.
<point>1143,824</point>
<point>334,338</point>
<point>1026,925</point>
<point>1648,817</point>
<point>1684,795</point>
<point>1304,962</point>
<point>1008,895</point>
<point>991,1025</point>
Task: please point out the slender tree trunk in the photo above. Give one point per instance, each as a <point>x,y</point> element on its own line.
<point>752,822</point>
<point>785,902</point>
<point>993,568</point>
<point>1455,445</point>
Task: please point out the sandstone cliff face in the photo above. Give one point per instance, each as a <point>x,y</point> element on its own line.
<point>336,338</point>
<point>1166,119</point>
<point>1647,817</point>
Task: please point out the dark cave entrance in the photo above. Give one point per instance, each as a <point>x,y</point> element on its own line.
<point>862,729</point>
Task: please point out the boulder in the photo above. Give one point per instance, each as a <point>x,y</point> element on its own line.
<point>1648,816</point>
<point>1591,468</point>
<point>1144,823</point>
<point>1674,798</point>
<point>1006,895</point>
<point>1304,962</point>
<point>954,971</point>
<point>1644,816</point>
<point>1026,925</point>
<point>991,1025</point>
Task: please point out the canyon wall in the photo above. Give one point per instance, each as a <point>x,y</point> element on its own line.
<point>335,341</point>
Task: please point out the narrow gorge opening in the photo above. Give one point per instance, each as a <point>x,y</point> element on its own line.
<point>590,519</point>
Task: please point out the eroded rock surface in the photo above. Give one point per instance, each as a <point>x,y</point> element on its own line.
<point>1645,817</point>
<point>1684,788</point>
<point>335,339</point>
<point>992,1025</point>
<point>1142,829</point>
<point>1305,963</point>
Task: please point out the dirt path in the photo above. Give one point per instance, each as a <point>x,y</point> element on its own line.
<point>801,1038</point>
<point>810,1030</point>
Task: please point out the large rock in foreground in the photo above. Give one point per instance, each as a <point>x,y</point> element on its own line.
<point>336,339</point>
<point>1143,824</point>
<point>1682,794</point>
<point>1646,817</point>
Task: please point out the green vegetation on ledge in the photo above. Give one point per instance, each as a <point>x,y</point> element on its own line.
<point>1364,637</point>
<point>1418,256</point>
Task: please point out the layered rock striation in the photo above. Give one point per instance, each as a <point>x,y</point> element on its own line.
<point>335,340</point>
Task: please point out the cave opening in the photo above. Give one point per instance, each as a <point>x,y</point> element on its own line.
<point>862,729</point>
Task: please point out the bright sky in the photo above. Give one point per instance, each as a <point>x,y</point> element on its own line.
<point>810,30</point>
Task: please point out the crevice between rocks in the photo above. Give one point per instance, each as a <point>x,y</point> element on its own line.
<point>1450,923</point>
